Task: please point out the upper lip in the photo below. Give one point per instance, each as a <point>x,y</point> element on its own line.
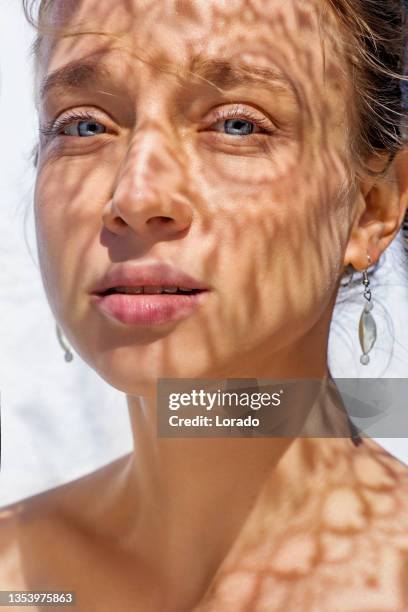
<point>159,274</point>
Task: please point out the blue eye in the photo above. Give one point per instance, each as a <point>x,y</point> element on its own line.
<point>242,122</point>
<point>84,129</point>
<point>239,126</point>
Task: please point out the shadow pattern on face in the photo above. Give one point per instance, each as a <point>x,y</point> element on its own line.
<point>263,218</point>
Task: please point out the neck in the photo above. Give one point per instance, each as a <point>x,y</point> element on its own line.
<point>197,493</point>
<point>182,503</point>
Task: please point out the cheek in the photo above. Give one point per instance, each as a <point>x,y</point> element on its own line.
<point>279,241</point>
<point>267,235</point>
<point>69,198</point>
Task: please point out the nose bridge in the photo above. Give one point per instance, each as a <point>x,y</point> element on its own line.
<point>153,170</point>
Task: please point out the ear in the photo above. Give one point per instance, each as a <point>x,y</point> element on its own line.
<point>380,209</point>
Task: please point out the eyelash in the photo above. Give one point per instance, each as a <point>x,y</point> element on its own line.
<point>53,128</point>
<point>240,112</point>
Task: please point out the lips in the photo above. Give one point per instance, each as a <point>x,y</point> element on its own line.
<point>148,295</point>
<point>151,278</point>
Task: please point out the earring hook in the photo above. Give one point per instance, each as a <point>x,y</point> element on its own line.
<point>68,354</point>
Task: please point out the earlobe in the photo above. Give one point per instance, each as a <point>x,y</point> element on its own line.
<point>367,231</point>
<point>381,210</point>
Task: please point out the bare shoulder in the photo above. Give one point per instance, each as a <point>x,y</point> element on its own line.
<point>10,566</point>
<point>382,482</point>
<point>346,549</point>
<point>25,529</point>
<point>20,522</point>
<point>33,529</point>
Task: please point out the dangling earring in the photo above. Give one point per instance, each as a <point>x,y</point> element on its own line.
<point>367,327</point>
<point>64,344</point>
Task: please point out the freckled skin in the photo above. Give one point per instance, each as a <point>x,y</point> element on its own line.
<point>267,220</point>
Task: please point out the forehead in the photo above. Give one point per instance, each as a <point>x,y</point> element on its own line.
<point>266,32</point>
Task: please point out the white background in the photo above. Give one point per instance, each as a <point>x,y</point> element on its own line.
<point>59,420</point>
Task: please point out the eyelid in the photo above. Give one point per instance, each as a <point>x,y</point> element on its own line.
<point>239,111</point>
<point>64,119</point>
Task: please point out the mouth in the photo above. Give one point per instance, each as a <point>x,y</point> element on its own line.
<point>150,293</point>
<point>151,290</point>
<point>148,306</point>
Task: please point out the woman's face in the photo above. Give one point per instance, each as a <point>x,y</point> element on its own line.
<point>235,175</point>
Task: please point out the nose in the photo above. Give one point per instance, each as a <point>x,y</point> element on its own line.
<point>150,196</point>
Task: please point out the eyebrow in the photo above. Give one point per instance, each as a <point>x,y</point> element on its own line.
<point>227,74</point>
<point>75,75</point>
<point>223,74</point>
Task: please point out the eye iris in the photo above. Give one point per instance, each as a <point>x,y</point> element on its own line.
<point>89,128</point>
<point>239,126</point>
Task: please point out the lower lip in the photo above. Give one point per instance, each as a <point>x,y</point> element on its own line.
<point>149,309</point>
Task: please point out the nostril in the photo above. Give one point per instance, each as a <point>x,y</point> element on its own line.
<point>160,219</point>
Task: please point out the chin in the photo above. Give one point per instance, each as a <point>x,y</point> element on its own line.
<point>135,378</point>
<point>134,369</point>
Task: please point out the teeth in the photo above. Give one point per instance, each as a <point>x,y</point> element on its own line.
<point>169,289</point>
<point>129,289</point>
<point>150,289</point>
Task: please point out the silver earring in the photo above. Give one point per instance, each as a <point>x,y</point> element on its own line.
<point>64,344</point>
<point>367,327</point>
